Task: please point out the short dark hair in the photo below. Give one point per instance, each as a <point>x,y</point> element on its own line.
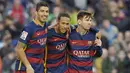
<point>41,4</point>
<point>81,14</point>
<point>63,15</point>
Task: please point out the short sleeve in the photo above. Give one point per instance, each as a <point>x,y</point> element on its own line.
<point>25,35</point>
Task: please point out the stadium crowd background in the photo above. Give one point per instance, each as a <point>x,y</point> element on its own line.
<point>112,17</point>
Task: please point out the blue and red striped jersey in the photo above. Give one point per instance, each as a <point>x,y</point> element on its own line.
<point>81,50</point>
<point>56,57</point>
<point>35,37</point>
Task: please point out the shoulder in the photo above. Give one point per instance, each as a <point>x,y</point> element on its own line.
<point>94,30</point>
<point>97,32</point>
<point>30,25</point>
<point>51,32</point>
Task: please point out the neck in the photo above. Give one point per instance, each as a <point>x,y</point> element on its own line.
<point>39,23</point>
<point>81,30</point>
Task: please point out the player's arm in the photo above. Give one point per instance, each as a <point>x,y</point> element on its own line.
<point>21,45</point>
<point>21,55</point>
<point>98,43</point>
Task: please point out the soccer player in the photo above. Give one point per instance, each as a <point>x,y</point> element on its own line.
<point>83,45</point>
<point>56,44</point>
<point>31,45</point>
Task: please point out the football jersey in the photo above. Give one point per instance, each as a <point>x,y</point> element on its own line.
<point>35,37</point>
<point>81,50</point>
<point>56,55</point>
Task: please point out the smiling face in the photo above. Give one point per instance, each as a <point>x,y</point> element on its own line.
<point>42,14</point>
<point>85,22</point>
<point>64,24</point>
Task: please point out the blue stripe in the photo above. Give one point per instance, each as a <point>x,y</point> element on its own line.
<point>35,55</point>
<point>59,69</point>
<point>36,46</point>
<point>81,47</point>
<point>83,68</point>
<point>39,37</point>
<point>55,51</point>
<point>81,59</point>
<point>53,61</point>
<point>56,43</point>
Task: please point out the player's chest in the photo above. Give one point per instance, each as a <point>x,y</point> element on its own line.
<point>39,36</point>
<point>57,42</point>
<point>84,42</point>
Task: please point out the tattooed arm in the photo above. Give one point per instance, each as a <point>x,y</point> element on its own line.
<point>21,55</point>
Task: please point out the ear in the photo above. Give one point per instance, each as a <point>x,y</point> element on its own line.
<point>79,21</point>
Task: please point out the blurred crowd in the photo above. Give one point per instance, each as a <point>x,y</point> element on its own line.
<point>112,17</point>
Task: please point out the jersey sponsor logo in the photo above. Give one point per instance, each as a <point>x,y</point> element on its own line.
<point>24,35</point>
<point>81,53</point>
<point>42,41</point>
<point>61,46</point>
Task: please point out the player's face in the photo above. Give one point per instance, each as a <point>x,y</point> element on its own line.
<point>86,22</point>
<point>43,13</point>
<point>64,24</point>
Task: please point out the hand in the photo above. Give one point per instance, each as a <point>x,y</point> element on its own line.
<point>98,42</point>
<point>29,69</point>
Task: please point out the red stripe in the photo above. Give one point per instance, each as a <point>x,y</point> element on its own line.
<point>81,63</point>
<point>55,56</point>
<point>39,33</point>
<point>81,42</point>
<point>51,47</point>
<point>36,41</point>
<point>35,60</point>
<point>35,50</point>
<point>20,71</point>
<point>55,39</point>
<point>56,64</point>
<point>77,71</point>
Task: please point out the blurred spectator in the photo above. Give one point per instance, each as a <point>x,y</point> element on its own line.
<point>13,28</point>
<point>121,61</point>
<point>7,44</point>
<point>121,4</point>
<point>52,17</point>
<point>127,5</point>
<point>109,31</point>
<point>127,37</point>
<point>98,61</point>
<point>113,8</point>
<point>2,30</point>
<point>102,11</point>
<point>119,43</point>
<point>17,12</point>
<point>6,53</point>
<point>81,4</point>
<point>68,3</point>
<point>127,61</point>
<point>121,21</point>
<point>2,5</point>
<point>110,63</point>
<point>8,61</point>
<point>0,65</point>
